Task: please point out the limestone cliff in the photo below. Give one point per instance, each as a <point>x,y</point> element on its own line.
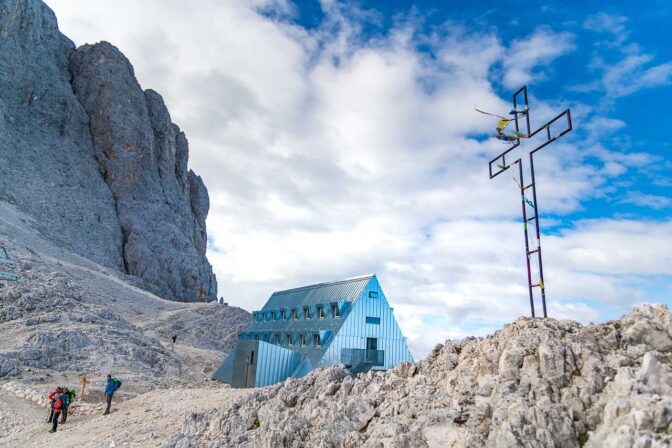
<point>97,160</point>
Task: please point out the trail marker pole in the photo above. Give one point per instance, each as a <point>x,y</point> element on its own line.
<point>84,381</point>
<point>530,207</point>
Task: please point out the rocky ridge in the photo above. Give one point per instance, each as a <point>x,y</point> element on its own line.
<point>535,383</point>
<point>68,317</point>
<point>97,160</point>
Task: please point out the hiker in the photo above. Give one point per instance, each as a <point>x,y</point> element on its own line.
<point>52,399</point>
<point>68,398</point>
<point>110,388</point>
<point>172,347</point>
<point>57,407</point>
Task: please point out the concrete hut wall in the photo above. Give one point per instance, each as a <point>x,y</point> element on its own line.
<point>354,331</point>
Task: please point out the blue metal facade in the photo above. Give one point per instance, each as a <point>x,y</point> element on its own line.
<point>355,330</point>
<point>278,364</point>
<point>315,326</point>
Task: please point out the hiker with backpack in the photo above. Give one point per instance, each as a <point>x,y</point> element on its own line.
<point>113,384</point>
<point>52,400</point>
<point>56,407</point>
<point>68,398</point>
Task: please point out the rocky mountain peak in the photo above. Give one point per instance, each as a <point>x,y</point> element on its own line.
<point>97,160</point>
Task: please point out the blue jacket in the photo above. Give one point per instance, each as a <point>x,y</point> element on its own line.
<point>65,399</point>
<point>110,388</point>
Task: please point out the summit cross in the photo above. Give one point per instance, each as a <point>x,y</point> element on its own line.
<point>530,207</point>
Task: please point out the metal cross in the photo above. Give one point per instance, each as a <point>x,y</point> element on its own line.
<point>530,207</point>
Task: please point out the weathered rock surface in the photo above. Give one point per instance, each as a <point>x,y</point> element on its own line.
<point>535,383</point>
<point>69,317</point>
<point>95,159</point>
<point>47,166</point>
<point>143,158</point>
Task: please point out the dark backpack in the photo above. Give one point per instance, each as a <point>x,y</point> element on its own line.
<point>72,396</point>
<point>117,383</point>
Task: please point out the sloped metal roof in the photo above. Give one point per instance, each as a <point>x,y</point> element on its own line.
<point>344,290</point>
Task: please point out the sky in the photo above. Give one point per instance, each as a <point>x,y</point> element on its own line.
<point>340,138</point>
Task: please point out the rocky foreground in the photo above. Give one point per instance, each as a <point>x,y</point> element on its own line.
<point>535,383</point>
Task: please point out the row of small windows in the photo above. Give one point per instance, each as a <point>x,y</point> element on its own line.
<point>289,339</point>
<point>319,311</point>
<point>306,312</point>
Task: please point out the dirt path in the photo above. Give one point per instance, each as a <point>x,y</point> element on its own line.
<point>20,420</point>
<point>145,421</point>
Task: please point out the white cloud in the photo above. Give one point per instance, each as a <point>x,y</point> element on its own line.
<point>601,126</point>
<point>525,56</point>
<point>631,74</point>
<point>616,247</point>
<point>329,155</point>
<point>608,23</point>
<point>646,200</point>
<point>633,70</point>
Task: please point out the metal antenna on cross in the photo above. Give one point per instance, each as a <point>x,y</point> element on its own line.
<point>530,207</point>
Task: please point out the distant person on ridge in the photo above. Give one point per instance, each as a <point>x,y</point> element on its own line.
<point>174,340</point>
<point>52,399</point>
<point>57,406</point>
<point>110,388</point>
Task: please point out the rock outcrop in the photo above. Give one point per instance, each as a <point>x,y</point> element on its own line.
<point>96,159</point>
<point>68,316</point>
<point>535,383</point>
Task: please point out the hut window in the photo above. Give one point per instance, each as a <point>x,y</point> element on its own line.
<point>316,339</point>
<point>295,314</point>
<point>289,339</point>
<point>373,320</point>
<point>320,312</point>
<point>277,338</point>
<point>306,312</point>
<point>335,311</point>
<point>373,294</point>
<point>302,339</point>
<point>283,314</point>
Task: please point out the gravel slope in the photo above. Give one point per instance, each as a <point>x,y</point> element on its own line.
<point>69,316</point>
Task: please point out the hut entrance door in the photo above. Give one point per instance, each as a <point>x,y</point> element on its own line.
<point>371,348</point>
<point>249,371</point>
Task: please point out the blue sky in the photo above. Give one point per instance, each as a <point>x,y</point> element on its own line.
<point>338,139</point>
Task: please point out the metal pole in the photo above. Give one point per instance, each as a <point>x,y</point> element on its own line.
<point>542,285</point>
<point>527,244</point>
